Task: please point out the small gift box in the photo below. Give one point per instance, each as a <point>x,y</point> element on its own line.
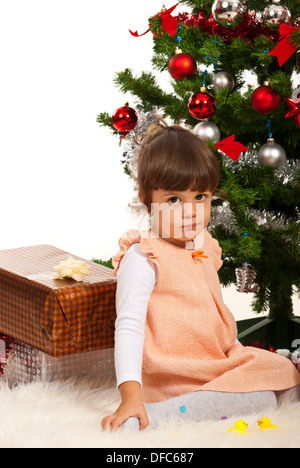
<point>59,317</point>
<point>21,363</point>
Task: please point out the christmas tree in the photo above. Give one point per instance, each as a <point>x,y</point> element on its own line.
<point>253,129</point>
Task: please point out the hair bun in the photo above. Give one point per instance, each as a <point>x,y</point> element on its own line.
<point>156,129</point>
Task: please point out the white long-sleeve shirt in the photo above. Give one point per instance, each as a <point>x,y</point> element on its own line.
<point>136,279</point>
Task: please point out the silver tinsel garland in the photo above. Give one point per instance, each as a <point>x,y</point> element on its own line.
<point>133,141</point>
<point>286,174</point>
<point>223,216</point>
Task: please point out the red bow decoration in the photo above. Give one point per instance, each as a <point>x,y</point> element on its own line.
<point>284,49</point>
<point>168,23</point>
<point>232,148</point>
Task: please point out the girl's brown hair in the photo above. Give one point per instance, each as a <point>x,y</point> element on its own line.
<point>173,158</point>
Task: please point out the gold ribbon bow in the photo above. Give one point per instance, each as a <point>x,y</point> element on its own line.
<point>71,268</point>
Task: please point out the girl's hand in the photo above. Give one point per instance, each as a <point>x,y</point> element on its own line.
<point>126,410</point>
<point>131,407</point>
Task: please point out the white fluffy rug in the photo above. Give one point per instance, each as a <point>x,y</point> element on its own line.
<point>68,415</point>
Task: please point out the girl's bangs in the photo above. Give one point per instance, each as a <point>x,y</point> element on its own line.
<point>188,171</point>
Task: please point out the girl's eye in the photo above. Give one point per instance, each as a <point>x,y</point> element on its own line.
<point>174,200</point>
<point>201,197</point>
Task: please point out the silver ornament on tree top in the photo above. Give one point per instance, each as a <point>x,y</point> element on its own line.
<point>207,130</point>
<point>223,80</point>
<point>228,14</point>
<point>272,154</point>
<point>274,15</point>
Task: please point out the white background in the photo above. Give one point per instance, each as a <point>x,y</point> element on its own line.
<point>61,181</point>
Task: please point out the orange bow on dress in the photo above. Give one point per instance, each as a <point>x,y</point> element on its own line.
<point>198,255</point>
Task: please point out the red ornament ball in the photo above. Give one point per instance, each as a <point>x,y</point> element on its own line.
<point>182,66</point>
<point>202,105</point>
<point>265,100</point>
<point>125,119</point>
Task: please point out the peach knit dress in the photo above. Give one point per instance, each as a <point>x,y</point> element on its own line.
<point>190,336</point>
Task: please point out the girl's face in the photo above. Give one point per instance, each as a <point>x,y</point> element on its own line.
<point>179,217</point>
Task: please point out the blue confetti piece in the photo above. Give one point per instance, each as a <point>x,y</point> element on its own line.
<point>182,409</point>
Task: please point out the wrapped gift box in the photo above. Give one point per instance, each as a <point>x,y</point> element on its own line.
<point>57,317</point>
<point>20,363</point>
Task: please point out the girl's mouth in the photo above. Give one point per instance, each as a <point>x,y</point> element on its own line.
<point>190,227</point>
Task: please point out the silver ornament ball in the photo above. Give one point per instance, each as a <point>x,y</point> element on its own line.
<point>207,130</point>
<point>223,80</point>
<point>228,14</point>
<point>275,15</point>
<point>272,154</point>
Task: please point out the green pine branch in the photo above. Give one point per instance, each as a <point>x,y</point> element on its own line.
<point>106,263</point>
<point>144,87</point>
<point>105,120</point>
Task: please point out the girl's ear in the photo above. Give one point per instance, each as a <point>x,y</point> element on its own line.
<point>141,198</point>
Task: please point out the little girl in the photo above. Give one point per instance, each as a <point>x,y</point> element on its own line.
<point>176,348</point>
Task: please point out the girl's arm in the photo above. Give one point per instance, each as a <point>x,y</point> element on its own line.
<point>136,280</point>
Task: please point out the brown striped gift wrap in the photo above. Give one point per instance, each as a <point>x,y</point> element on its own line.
<point>58,317</point>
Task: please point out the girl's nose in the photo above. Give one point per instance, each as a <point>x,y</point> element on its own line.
<point>190,211</point>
